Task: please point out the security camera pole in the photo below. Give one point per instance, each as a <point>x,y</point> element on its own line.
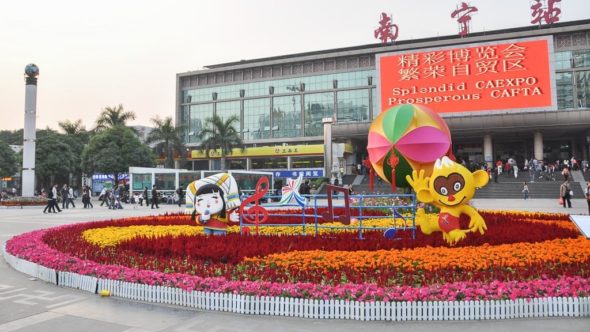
<point>29,137</point>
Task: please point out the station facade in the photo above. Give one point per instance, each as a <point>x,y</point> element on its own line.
<point>541,112</point>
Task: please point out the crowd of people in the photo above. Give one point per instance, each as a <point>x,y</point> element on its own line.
<point>110,198</point>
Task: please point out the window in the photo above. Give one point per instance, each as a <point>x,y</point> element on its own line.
<point>583,87</point>
<point>307,162</point>
<point>166,181</point>
<point>186,178</point>
<point>141,181</point>
<point>198,114</point>
<point>353,105</point>
<point>581,58</point>
<point>317,107</point>
<point>257,118</point>
<point>563,60</point>
<point>227,109</point>
<point>286,116</point>
<point>565,90</point>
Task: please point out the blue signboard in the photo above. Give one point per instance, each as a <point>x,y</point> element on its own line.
<point>293,173</point>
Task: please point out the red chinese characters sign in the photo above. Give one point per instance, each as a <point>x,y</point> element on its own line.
<point>463,17</point>
<point>386,30</point>
<point>488,76</point>
<point>549,13</point>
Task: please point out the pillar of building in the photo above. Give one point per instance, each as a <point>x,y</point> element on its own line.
<point>327,146</point>
<point>488,153</point>
<point>538,145</point>
<point>248,164</point>
<point>289,162</point>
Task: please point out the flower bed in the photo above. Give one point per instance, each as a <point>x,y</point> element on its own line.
<point>522,255</point>
<point>24,201</point>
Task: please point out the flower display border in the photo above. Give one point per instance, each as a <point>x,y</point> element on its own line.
<point>311,308</point>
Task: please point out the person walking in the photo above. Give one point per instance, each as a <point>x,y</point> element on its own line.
<point>564,193</point>
<point>525,191</point>
<point>64,196</point>
<point>145,197</point>
<point>54,204</point>
<point>70,199</point>
<point>180,194</point>
<point>86,197</point>
<point>155,197</point>
<point>587,192</point>
<point>49,202</point>
<point>103,196</point>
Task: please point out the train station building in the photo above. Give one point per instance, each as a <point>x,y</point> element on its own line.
<point>514,93</point>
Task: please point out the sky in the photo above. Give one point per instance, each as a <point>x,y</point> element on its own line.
<point>104,53</point>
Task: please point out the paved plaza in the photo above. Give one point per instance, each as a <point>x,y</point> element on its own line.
<point>30,305</point>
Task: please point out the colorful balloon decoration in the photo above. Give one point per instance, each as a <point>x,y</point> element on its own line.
<point>405,138</point>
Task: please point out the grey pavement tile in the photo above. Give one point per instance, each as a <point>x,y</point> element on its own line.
<point>70,323</point>
<point>12,311</point>
<point>130,313</point>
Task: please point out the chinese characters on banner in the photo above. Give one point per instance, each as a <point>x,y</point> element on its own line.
<point>488,76</point>
<point>463,17</point>
<point>384,31</point>
<point>549,13</point>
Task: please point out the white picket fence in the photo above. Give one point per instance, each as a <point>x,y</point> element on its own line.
<point>308,308</point>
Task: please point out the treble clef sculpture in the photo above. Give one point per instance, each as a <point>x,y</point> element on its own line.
<point>255,214</point>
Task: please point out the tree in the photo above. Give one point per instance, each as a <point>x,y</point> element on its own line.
<point>71,127</point>
<point>220,134</point>
<point>56,156</point>
<point>111,117</point>
<point>113,150</point>
<point>8,164</point>
<point>76,136</point>
<point>168,138</point>
<point>14,137</point>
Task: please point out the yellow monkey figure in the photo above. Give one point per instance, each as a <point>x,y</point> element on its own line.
<point>449,188</point>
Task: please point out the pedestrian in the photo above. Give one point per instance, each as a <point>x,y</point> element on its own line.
<point>525,191</point>
<point>587,192</point>
<point>180,194</point>
<point>53,200</point>
<point>49,202</point>
<point>145,197</point>
<point>136,199</point>
<point>565,173</point>
<point>70,197</point>
<point>305,190</point>
<point>89,197</point>
<point>103,196</point>
<point>84,197</point>
<point>565,194</point>
<point>64,196</point>
<point>514,167</point>
<point>155,197</point>
<point>495,176</point>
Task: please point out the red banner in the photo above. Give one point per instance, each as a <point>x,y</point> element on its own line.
<point>488,76</point>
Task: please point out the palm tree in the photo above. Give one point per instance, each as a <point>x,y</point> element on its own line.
<point>113,117</point>
<point>74,128</point>
<point>220,134</point>
<point>168,137</point>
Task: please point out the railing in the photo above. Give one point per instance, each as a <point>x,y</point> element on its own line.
<point>317,205</point>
